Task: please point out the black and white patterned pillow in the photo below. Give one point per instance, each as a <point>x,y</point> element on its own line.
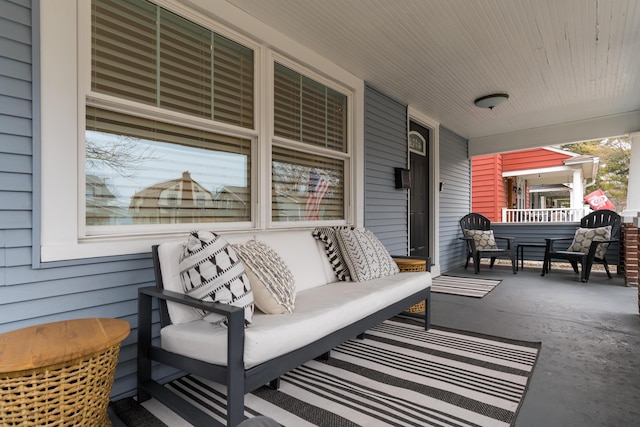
<point>365,256</point>
<point>211,270</point>
<point>484,238</point>
<point>584,236</point>
<point>327,235</point>
<point>272,283</point>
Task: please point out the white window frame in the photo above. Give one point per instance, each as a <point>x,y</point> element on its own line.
<point>65,59</point>
<point>301,146</point>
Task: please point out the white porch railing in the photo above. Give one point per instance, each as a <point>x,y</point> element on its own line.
<point>544,215</point>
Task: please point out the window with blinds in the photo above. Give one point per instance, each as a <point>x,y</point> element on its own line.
<point>306,187</point>
<point>307,111</point>
<point>145,164</point>
<point>144,53</point>
<point>145,171</point>
<point>141,171</point>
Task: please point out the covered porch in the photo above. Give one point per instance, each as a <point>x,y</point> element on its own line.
<point>587,372</point>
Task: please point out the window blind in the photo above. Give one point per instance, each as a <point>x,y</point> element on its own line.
<point>147,54</point>
<point>306,186</point>
<point>308,111</point>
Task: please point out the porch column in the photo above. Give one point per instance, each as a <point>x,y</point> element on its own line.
<point>577,192</point>
<point>633,197</point>
<point>631,218</point>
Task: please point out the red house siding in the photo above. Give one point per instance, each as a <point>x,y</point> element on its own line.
<point>532,159</point>
<point>488,193</point>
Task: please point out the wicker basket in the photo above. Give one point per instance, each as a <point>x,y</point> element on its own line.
<point>411,265</point>
<point>73,393</point>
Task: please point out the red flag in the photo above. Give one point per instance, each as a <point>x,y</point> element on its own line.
<point>598,200</point>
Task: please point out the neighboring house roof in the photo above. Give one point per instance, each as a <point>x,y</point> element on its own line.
<point>548,166</point>
<point>183,192</point>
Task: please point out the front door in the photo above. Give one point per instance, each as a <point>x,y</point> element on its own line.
<point>419,200</point>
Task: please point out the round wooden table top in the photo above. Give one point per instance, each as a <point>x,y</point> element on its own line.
<point>408,262</point>
<point>57,342</point>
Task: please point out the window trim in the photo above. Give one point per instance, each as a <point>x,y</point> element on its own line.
<point>300,146</point>
<point>62,123</point>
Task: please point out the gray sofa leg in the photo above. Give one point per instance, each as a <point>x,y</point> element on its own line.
<point>325,356</point>
<point>427,310</point>
<point>275,384</point>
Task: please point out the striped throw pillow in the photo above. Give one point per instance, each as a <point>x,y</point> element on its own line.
<point>327,235</point>
<point>365,255</point>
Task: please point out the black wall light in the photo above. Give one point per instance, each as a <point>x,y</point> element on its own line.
<point>403,178</point>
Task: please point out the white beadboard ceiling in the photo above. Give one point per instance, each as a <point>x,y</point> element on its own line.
<point>560,61</point>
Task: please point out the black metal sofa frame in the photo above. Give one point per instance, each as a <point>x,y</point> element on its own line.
<point>237,379</point>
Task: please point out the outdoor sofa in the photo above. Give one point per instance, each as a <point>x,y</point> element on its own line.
<point>326,312</point>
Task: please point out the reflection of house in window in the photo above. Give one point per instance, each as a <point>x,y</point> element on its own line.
<point>288,208</point>
<point>181,200</point>
<point>233,204</point>
<point>101,204</point>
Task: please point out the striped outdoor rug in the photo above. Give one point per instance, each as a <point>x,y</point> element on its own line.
<point>465,286</point>
<point>398,375</point>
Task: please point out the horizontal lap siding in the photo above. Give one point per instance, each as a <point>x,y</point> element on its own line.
<point>16,162</point>
<point>536,233</point>
<point>533,159</point>
<point>455,201</point>
<point>28,296</point>
<point>385,207</point>
<point>488,196</point>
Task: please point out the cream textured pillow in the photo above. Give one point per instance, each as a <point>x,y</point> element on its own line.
<point>365,256</point>
<point>484,238</point>
<point>584,236</point>
<point>210,270</point>
<point>271,280</point>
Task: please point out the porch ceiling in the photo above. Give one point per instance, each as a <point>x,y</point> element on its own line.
<point>551,178</point>
<point>559,61</point>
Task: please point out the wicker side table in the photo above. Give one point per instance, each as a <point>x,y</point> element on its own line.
<point>60,373</point>
<point>407,265</point>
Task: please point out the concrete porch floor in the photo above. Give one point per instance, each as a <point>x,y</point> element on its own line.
<point>588,372</point>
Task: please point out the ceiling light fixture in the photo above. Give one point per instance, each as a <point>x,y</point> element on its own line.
<point>490,101</point>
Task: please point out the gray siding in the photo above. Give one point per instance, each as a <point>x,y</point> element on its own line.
<point>33,293</point>
<point>385,208</point>
<point>455,200</point>
<point>105,287</point>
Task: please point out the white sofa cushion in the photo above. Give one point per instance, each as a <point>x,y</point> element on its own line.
<point>319,311</point>
<point>300,251</point>
<point>271,280</point>
<point>168,255</point>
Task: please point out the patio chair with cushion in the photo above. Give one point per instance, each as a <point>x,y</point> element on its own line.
<point>481,242</point>
<point>589,244</point>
